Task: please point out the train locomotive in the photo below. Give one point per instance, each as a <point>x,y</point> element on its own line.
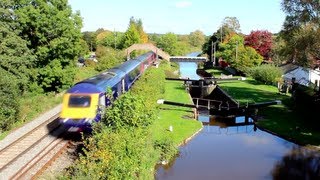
<point>84,103</point>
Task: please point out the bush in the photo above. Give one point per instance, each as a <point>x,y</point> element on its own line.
<point>266,73</point>
<point>166,147</point>
<point>124,154</point>
<point>128,111</point>
<point>146,85</point>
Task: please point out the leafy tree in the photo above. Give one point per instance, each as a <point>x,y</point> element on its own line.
<point>84,47</point>
<point>108,58</point>
<point>90,38</point>
<point>102,36</point>
<point>301,31</point>
<point>143,35</point>
<point>112,39</point>
<point>230,25</point>
<point>261,41</point>
<point>168,42</point>
<point>237,55</point>
<point>208,46</point>
<point>131,36</point>
<point>301,12</point>
<point>277,51</point>
<point>53,34</point>
<point>15,57</point>
<point>197,38</point>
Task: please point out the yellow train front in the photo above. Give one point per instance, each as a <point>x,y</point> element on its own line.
<point>84,103</point>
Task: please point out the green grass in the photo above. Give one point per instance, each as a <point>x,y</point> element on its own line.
<point>279,119</point>
<point>217,72</point>
<point>83,73</point>
<point>180,118</point>
<point>251,91</point>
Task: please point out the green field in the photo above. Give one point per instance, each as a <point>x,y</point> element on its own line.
<point>279,119</point>
<point>180,118</point>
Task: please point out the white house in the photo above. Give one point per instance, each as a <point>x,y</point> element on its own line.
<point>302,75</point>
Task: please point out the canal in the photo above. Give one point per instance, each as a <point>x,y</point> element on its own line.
<point>233,148</point>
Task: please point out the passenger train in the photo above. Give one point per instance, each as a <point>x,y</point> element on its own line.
<point>85,101</point>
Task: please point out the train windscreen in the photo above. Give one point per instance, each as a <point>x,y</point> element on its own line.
<point>79,101</point>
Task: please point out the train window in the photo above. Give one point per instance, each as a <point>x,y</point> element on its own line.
<point>79,101</point>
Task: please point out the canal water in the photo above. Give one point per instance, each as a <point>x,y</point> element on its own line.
<point>234,148</point>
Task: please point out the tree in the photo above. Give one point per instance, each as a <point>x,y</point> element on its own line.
<point>15,57</point>
<point>196,38</point>
<point>301,31</point>
<point>101,38</point>
<point>302,12</point>
<point>168,42</point>
<point>143,35</point>
<point>131,36</point>
<point>261,41</point>
<point>53,34</point>
<point>230,25</point>
<point>90,38</point>
<point>237,55</point>
<point>108,58</point>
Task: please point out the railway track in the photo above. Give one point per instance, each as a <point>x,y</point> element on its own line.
<point>30,153</point>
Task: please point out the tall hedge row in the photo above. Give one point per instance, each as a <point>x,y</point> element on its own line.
<point>122,146</point>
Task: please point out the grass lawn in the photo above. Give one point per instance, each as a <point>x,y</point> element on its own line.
<point>180,118</point>
<point>279,119</point>
<point>217,72</point>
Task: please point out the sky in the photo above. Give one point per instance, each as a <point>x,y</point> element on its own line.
<point>180,16</point>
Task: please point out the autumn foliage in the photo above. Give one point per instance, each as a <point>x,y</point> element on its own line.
<point>261,41</point>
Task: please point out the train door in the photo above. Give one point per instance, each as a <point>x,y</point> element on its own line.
<point>123,85</point>
<point>119,88</point>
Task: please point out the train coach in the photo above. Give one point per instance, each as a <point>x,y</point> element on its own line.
<point>85,101</point>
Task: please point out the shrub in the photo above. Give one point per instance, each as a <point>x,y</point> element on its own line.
<point>128,111</point>
<point>166,147</point>
<point>266,73</point>
<point>151,83</point>
<point>122,154</point>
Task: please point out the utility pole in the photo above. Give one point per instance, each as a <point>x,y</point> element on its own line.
<point>221,34</point>
<point>115,38</point>
<point>211,53</point>
<point>91,46</point>
<point>214,53</point>
<point>237,51</point>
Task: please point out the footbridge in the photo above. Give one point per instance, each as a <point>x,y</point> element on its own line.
<point>162,54</point>
<point>148,46</point>
<point>187,59</point>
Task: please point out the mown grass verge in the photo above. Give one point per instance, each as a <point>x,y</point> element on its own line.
<point>180,118</point>
<point>278,119</point>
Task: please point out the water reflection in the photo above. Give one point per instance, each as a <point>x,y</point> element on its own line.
<point>224,151</point>
<point>188,70</point>
<point>300,163</point>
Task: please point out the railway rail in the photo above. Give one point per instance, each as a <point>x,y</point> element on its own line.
<point>25,156</point>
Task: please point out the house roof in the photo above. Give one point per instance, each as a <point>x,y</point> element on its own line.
<point>288,67</point>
